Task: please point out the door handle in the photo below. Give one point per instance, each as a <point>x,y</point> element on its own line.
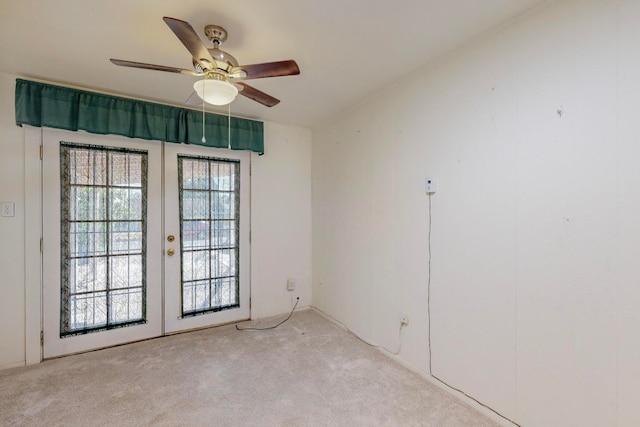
<point>171,252</point>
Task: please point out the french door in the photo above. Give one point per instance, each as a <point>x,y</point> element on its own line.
<point>140,239</point>
<point>207,224</point>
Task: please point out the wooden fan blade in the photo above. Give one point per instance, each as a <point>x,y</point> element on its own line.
<point>257,95</point>
<point>187,35</point>
<point>133,64</point>
<point>267,69</point>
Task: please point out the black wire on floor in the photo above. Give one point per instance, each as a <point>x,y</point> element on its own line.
<point>272,327</point>
<point>476,400</point>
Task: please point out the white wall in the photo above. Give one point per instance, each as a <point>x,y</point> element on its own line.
<point>281,228</point>
<point>281,220</point>
<point>533,133</point>
<point>12,274</point>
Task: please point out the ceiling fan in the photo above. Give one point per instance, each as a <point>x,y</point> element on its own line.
<point>222,76</point>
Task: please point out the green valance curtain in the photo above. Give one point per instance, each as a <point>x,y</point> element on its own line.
<point>40,104</point>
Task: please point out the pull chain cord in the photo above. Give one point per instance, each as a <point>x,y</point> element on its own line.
<point>204,140</point>
<point>229,125</point>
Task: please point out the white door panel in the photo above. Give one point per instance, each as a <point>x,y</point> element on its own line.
<point>56,340</point>
<point>182,268</point>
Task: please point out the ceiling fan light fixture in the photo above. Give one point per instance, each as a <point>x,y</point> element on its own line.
<point>216,92</point>
<point>217,67</point>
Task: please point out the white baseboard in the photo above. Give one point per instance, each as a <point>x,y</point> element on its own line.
<point>12,365</point>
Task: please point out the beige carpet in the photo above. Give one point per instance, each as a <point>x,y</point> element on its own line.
<point>307,372</point>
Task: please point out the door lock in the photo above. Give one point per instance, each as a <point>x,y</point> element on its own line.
<point>170,238</point>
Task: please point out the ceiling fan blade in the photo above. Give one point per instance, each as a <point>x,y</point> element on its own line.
<point>257,95</point>
<point>145,66</point>
<point>187,35</point>
<point>267,69</point>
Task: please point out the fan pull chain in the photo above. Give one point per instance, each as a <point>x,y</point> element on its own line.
<point>229,125</point>
<point>204,140</point>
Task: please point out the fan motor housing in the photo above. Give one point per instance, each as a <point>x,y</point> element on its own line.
<point>215,33</point>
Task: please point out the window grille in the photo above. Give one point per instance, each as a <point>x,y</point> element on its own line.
<point>103,235</point>
<point>209,223</point>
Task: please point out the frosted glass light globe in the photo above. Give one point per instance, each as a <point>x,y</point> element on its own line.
<point>216,92</point>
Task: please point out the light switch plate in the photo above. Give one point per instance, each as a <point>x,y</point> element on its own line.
<point>8,209</point>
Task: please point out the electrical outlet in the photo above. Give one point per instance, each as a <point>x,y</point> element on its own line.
<point>404,319</point>
<point>432,186</point>
<point>291,284</point>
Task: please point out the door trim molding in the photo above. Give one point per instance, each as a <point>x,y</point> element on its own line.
<point>33,234</point>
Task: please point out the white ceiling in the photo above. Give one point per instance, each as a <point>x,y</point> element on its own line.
<point>346,49</point>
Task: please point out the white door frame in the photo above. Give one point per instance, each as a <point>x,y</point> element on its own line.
<point>33,233</point>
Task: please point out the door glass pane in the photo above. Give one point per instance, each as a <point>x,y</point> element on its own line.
<point>209,221</point>
<point>103,230</point>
